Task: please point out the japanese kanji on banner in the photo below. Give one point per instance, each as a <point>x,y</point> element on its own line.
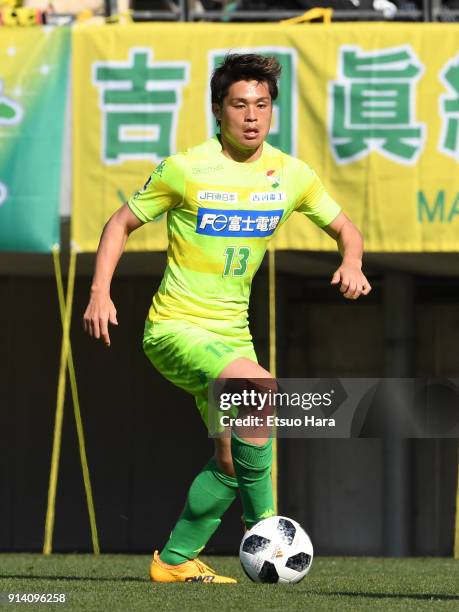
<point>33,94</point>
<point>373,108</point>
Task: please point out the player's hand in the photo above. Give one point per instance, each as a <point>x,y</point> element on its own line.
<point>353,283</point>
<point>98,314</point>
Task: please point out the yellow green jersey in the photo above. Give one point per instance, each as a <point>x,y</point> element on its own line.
<point>220,216</point>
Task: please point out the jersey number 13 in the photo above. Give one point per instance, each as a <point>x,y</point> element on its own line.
<point>236,261</point>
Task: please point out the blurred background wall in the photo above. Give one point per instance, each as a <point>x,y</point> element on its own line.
<point>144,438</point>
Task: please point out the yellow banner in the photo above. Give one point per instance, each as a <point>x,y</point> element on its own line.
<point>373,108</point>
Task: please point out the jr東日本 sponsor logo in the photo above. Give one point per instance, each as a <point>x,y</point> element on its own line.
<point>242,223</point>
<point>217,196</point>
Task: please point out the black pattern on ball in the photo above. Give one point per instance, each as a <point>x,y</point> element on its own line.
<point>286,530</point>
<point>268,573</point>
<point>298,562</point>
<point>255,543</point>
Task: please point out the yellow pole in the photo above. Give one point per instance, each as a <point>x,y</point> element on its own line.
<point>272,352</point>
<point>77,413</point>
<point>314,13</point>
<point>456,531</point>
<point>57,437</point>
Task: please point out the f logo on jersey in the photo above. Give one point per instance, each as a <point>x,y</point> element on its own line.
<point>238,223</point>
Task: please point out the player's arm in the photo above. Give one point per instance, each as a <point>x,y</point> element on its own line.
<point>163,191</point>
<point>349,275</point>
<point>101,310</point>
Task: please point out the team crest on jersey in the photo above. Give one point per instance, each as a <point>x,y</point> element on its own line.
<point>237,223</point>
<point>273,179</point>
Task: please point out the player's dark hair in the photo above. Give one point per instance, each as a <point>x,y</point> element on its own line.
<point>244,67</point>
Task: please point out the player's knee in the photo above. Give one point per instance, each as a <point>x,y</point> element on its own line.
<point>251,395</point>
<point>244,368</point>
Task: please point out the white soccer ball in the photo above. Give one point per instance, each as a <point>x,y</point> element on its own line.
<point>276,549</point>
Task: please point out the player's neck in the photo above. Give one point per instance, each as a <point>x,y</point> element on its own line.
<point>239,154</point>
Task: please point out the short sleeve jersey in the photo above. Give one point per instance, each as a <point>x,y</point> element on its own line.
<point>220,216</point>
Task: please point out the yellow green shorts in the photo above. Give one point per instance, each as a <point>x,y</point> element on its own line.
<point>191,356</point>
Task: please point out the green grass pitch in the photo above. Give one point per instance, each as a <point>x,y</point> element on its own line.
<point>120,583</point>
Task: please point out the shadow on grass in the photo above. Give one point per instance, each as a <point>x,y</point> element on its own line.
<point>74,578</point>
<point>419,596</point>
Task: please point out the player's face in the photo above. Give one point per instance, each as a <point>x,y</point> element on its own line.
<point>245,116</point>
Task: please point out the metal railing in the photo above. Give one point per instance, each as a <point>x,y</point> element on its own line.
<point>193,10</point>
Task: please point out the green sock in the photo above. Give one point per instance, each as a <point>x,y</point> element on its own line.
<point>210,495</point>
<point>252,464</point>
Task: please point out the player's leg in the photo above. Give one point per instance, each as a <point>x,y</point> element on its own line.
<point>214,489</point>
<point>181,353</point>
<point>210,495</point>
<point>252,449</point>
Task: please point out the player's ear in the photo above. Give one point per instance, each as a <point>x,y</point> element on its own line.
<point>217,111</point>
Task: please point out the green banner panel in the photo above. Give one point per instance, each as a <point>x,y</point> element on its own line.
<point>33,95</point>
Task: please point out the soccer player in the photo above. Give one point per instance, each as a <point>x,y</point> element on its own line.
<point>224,199</point>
